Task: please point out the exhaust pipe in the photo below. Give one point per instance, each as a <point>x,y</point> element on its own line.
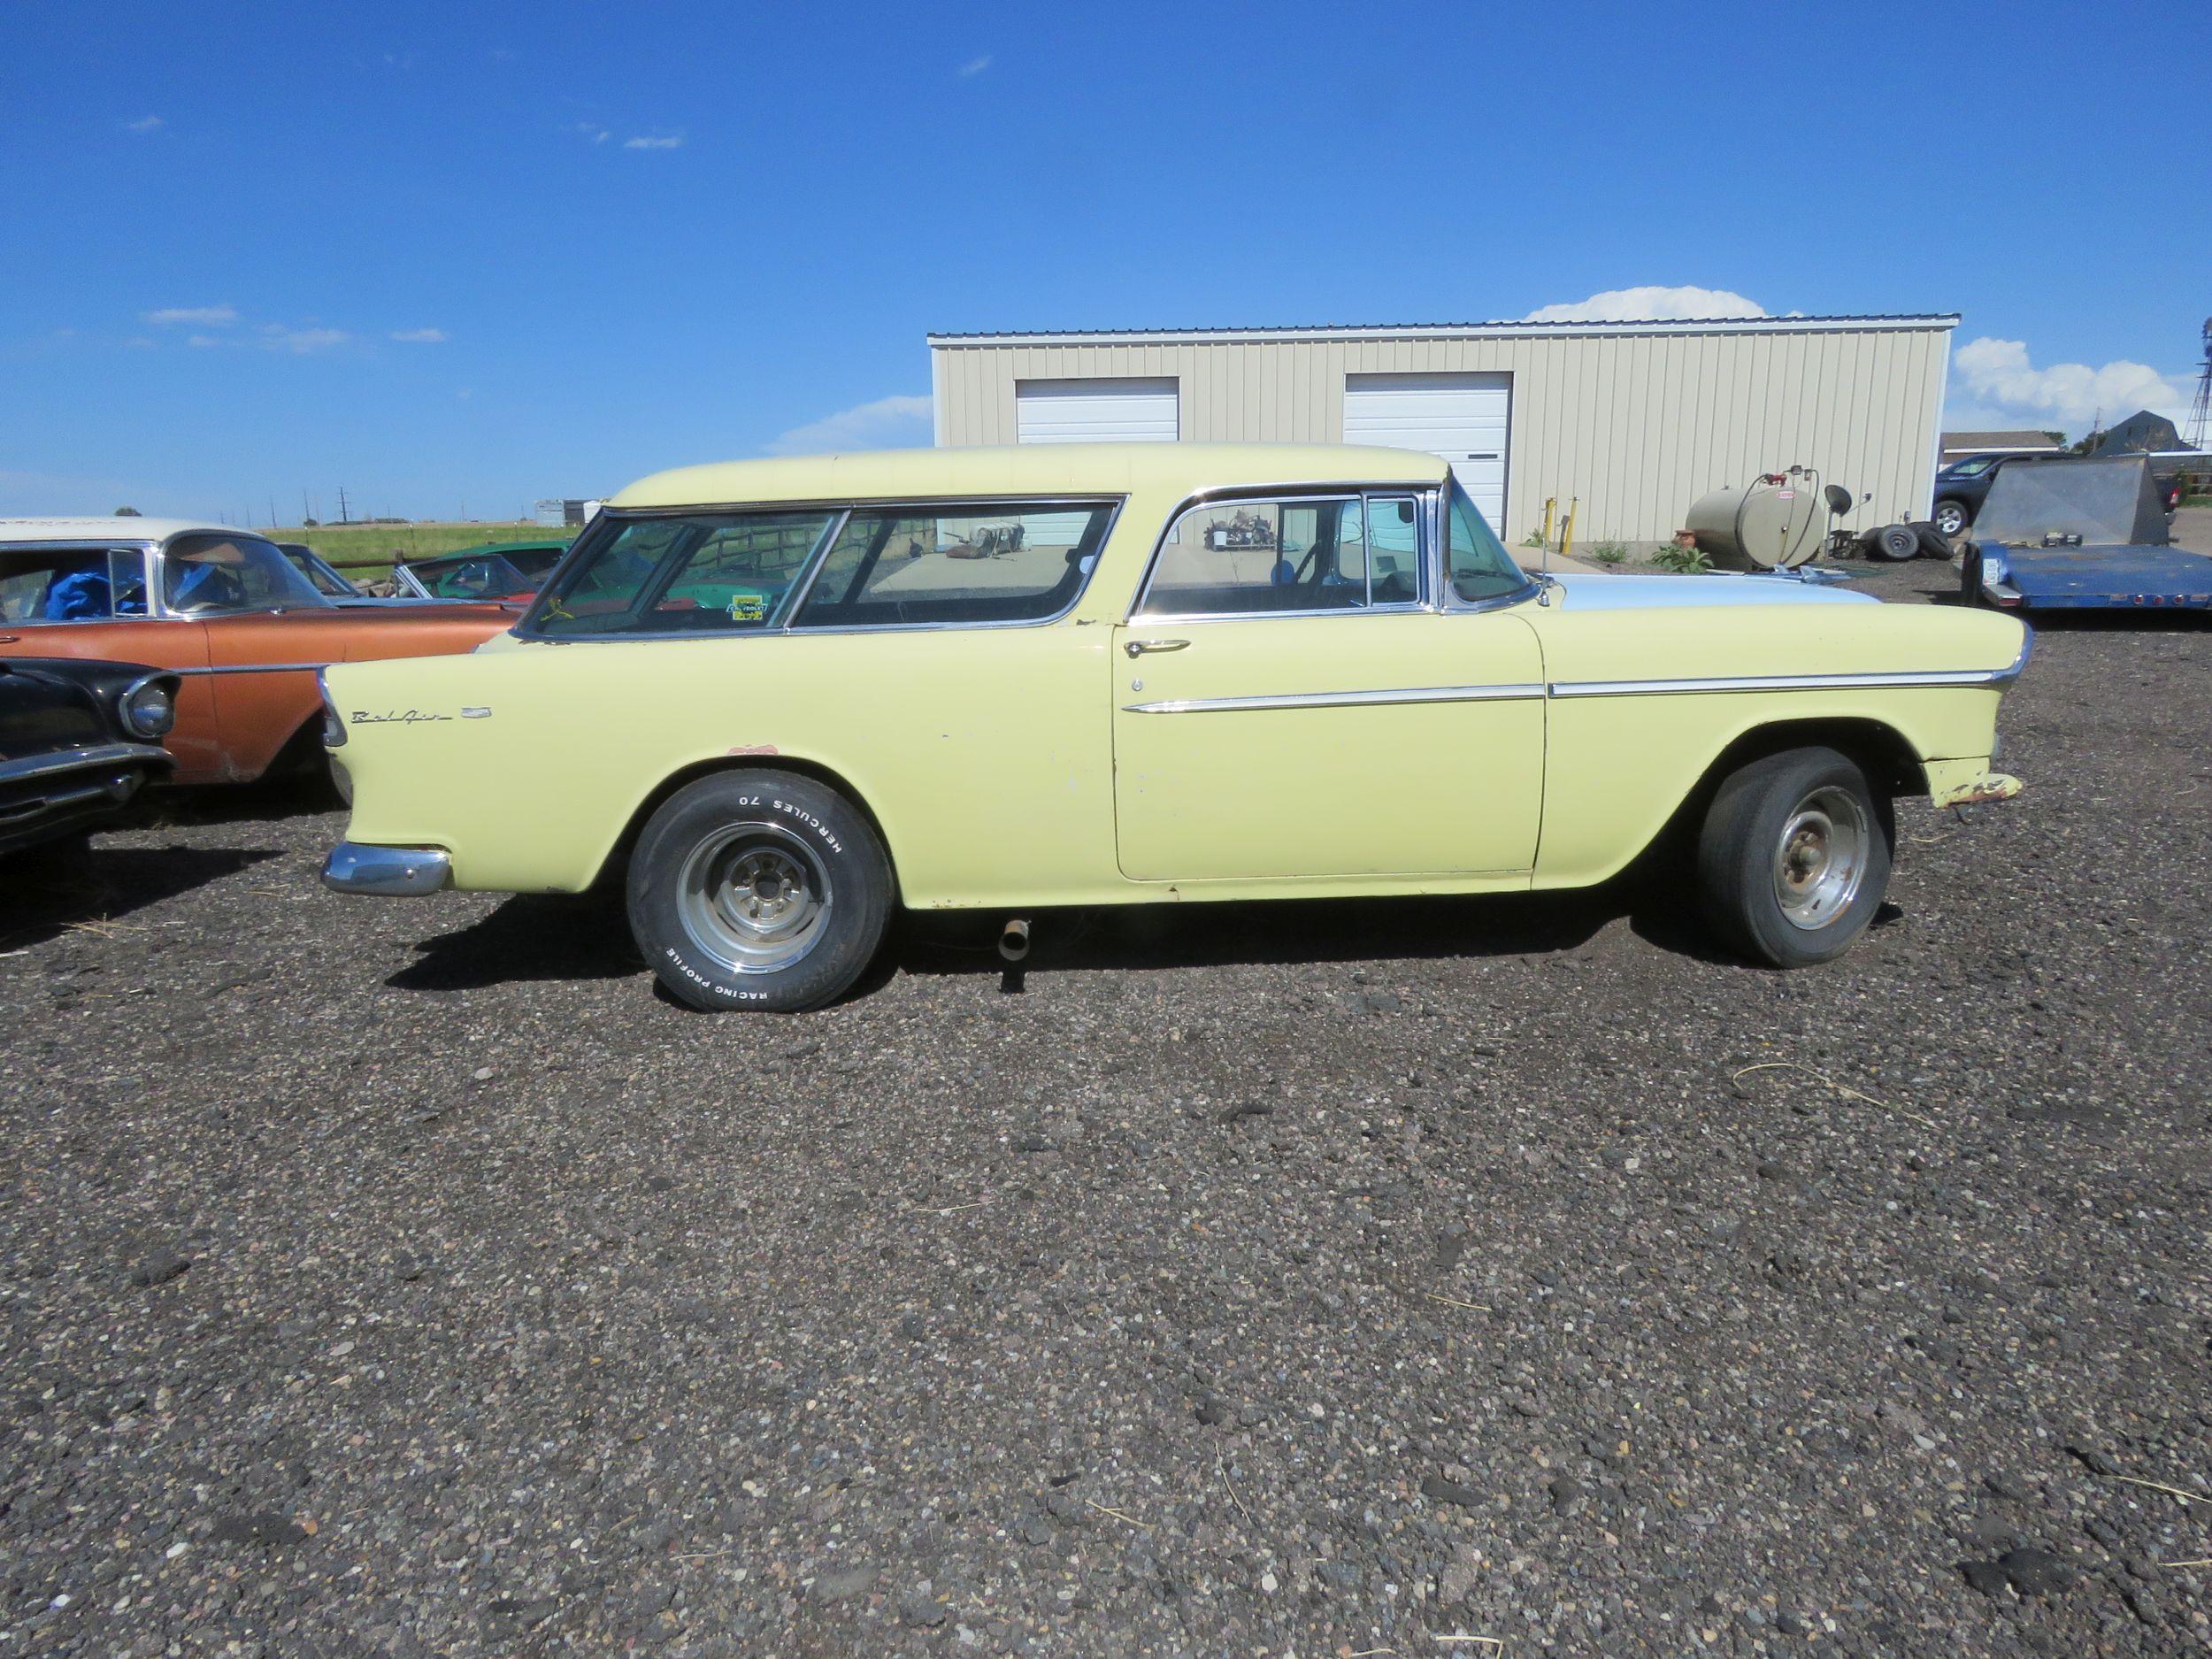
<point>1013,939</point>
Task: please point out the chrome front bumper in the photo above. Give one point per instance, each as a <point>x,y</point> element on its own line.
<point>386,873</point>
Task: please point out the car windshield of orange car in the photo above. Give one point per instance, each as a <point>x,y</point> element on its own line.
<point>209,575</point>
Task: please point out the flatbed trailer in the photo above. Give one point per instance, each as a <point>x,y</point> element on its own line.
<point>2080,536</point>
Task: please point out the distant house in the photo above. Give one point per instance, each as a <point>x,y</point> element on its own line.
<point>1958,445</point>
<point>2142,432</point>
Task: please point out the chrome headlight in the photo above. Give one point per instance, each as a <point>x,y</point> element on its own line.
<point>148,708</point>
<point>333,723</point>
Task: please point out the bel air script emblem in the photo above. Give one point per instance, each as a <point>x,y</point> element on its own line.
<point>414,716</point>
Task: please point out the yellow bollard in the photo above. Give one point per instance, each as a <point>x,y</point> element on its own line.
<point>1551,505</point>
<point>1567,535</point>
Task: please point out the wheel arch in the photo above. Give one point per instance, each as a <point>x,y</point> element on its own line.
<point>618,858</point>
<point>1891,762</point>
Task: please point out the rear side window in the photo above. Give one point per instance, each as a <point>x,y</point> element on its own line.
<point>693,574</point>
<point>857,568</point>
<point>1292,555</point>
<point>943,564</point>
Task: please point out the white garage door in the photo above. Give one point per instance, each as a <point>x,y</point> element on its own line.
<point>1460,417</point>
<point>1094,412</point>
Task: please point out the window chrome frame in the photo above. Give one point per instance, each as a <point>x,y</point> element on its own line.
<point>841,510</point>
<point>1425,497</point>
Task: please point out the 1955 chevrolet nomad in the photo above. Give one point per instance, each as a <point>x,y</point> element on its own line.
<point>778,698</point>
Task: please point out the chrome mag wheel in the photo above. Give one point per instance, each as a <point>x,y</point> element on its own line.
<point>1820,858</point>
<point>754,898</point>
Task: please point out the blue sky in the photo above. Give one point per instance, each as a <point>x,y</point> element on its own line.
<point>455,258</point>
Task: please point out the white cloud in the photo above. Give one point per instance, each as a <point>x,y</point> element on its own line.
<point>144,124</point>
<point>1649,305</point>
<point>592,130</point>
<point>889,423</point>
<point>420,337</point>
<point>205,341</point>
<point>662,140</point>
<point>301,342</point>
<point>204,316</point>
<point>975,66</point>
<point>2002,388</point>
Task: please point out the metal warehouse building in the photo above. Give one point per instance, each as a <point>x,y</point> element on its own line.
<point>1635,419</point>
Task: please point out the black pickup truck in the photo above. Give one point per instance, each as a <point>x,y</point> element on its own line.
<point>77,739</point>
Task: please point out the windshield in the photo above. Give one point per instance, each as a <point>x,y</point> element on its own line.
<point>205,575</point>
<point>1971,467</point>
<point>1481,569</point>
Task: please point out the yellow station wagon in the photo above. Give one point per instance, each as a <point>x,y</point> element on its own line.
<point>779,698</point>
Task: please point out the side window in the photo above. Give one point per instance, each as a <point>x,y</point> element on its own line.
<point>692,573</point>
<point>71,585</point>
<point>974,562</point>
<point>1256,557</point>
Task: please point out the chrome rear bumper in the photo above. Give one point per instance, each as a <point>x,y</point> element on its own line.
<point>388,873</point>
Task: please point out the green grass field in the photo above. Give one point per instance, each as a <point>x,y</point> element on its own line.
<point>374,545</point>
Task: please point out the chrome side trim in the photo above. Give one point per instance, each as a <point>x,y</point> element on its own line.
<point>255,668</point>
<point>387,872</point>
<point>63,760</point>
<point>1785,682</point>
<point>1338,699</point>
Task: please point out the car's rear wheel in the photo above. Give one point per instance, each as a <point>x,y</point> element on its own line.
<point>759,890</point>
<point>1793,857</point>
<point>1950,516</point>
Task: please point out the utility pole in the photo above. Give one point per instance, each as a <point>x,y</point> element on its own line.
<point>342,517</point>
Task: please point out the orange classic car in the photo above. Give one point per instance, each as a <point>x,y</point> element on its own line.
<point>223,609</point>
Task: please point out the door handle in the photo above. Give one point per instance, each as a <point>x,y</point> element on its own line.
<point>1137,648</point>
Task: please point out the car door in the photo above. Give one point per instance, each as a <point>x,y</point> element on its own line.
<point>1289,701</point>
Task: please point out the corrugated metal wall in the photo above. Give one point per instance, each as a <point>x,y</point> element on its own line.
<point>1635,424</point>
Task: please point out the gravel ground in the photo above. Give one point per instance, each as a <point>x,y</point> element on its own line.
<point>405,1278</point>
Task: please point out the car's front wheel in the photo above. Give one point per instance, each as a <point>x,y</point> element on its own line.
<point>759,890</point>
<point>1950,516</point>
<point>1793,857</point>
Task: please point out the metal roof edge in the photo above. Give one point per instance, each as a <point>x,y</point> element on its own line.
<point>1919,321</point>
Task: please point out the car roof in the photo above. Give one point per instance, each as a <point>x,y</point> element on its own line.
<point>1028,469</point>
<point>111,530</point>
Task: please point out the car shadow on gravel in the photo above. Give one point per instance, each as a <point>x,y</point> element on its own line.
<point>536,937</point>
<point>531,936</point>
<point>2145,619</point>
<point>55,894</point>
<point>1303,931</point>
<point>261,802</point>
